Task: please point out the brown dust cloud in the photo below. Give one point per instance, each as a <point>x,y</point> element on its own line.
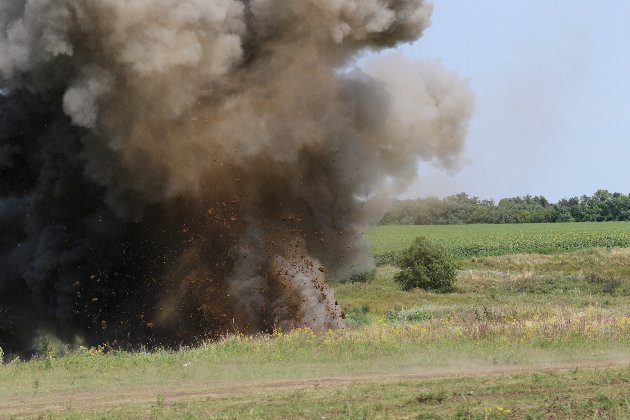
<point>174,170</point>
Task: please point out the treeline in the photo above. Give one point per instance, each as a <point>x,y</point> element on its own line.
<point>464,209</point>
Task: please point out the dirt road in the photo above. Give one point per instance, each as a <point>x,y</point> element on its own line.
<point>36,404</point>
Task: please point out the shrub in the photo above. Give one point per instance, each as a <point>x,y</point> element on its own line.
<point>426,265</point>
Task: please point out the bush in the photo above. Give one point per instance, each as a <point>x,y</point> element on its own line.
<point>426,265</point>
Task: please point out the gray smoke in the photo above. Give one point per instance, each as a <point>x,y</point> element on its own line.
<point>171,170</point>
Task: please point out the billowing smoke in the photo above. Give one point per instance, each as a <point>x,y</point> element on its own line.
<point>172,170</point>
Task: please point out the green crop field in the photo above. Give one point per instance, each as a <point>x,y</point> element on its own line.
<point>484,240</point>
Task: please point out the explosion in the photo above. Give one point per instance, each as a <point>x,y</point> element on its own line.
<point>173,170</point>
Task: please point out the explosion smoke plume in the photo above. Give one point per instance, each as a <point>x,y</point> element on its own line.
<point>174,169</point>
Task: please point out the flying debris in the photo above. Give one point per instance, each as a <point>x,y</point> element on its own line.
<point>174,170</point>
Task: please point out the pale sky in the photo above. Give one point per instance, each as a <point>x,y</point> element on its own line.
<point>552,85</point>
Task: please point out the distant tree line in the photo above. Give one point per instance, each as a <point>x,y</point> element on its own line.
<point>464,209</point>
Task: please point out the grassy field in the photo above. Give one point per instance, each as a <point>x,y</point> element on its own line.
<point>592,277</point>
<point>484,240</point>
<point>523,336</point>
